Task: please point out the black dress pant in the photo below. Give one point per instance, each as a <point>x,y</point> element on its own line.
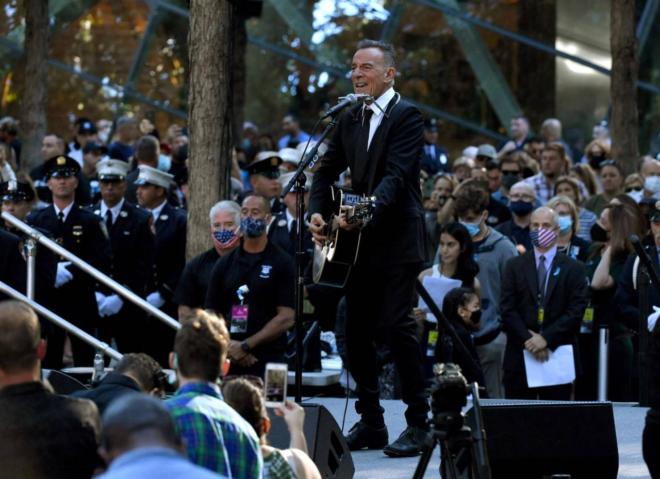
<point>379,299</point>
<point>651,442</point>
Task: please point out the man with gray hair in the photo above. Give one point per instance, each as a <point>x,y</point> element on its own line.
<point>225,219</point>
<point>542,303</point>
<point>140,440</point>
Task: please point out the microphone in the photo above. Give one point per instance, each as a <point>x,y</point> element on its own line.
<point>344,101</point>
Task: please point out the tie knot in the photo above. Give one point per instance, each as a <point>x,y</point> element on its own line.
<point>60,215</point>
<point>542,258</point>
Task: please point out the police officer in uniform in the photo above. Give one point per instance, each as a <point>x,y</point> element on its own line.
<point>18,198</point>
<point>282,231</point>
<point>169,222</point>
<point>133,245</point>
<point>264,172</point>
<point>225,217</point>
<point>252,287</point>
<point>12,264</point>
<point>83,234</point>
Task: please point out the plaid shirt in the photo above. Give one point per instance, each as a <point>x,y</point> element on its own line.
<point>544,190</point>
<point>216,436</point>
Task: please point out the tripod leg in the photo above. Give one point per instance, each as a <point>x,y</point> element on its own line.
<point>424,460</point>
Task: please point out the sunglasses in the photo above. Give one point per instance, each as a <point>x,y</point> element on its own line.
<point>634,188</point>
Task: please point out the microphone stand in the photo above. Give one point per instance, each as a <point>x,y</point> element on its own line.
<point>298,181</point>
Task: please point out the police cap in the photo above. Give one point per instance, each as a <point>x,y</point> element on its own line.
<point>267,163</point>
<point>61,166</point>
<point>16,191</point>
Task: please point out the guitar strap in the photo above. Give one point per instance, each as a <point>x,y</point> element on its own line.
<point>388,111</point>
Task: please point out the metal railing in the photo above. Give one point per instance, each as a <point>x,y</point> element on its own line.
<point>35,237</point>
<point>100,346</point>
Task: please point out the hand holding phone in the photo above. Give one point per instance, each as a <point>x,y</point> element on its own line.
<point>275,384</point>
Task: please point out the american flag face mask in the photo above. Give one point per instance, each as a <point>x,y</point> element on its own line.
<point>543,237</point>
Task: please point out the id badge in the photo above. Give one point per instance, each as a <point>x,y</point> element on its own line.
<point>587,325</point>
<point>239,319</point>
<point>541,315</point>
<point>432,341</point>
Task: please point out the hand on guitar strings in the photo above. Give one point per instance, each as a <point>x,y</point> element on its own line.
<point>344,220</point>
<point>318,228</point>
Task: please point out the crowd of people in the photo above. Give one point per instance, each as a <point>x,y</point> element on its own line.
<point>534,238</point>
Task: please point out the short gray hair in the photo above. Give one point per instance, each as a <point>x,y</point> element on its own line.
<point>228,206</point>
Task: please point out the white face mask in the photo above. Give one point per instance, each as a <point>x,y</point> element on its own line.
<point>652,184</point>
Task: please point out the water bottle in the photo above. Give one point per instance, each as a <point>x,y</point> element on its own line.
<point>99,368</point>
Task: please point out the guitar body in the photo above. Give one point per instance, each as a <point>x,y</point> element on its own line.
<point>333,261</point>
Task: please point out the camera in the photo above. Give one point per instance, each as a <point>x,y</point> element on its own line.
<point>449,391</point>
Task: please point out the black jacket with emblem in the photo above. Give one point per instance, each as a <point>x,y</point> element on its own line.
<point>133,246</point>
<point>170,249</point>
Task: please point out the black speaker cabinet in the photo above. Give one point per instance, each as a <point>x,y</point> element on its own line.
<point>325,442</point>
<point>539,439</point>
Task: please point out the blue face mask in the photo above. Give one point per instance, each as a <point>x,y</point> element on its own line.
<point>473,228</point>
<point>565,224</point>
<point>253,227</point>
<point>224,236</point>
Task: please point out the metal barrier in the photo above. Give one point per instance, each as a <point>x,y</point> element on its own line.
<point>31,248</point>
<point>100,346</point>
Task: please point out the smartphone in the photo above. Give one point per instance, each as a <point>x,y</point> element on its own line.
<point>275,384</point>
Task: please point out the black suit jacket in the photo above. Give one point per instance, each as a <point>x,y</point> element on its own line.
<point>46,435</point>
<point>12,264</point>
<point>565,301</point>
<point>279,234</point>
<point>170,249</point>
<point>390,172</point>
<point>133,246</point>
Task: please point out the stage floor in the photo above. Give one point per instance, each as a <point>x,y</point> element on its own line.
<point>629,422</point>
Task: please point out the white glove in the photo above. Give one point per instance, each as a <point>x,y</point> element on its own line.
<point>155,299</point>
<point>111,305</point>
<point>100,299</point>
<point>653,318</point>
<point>63,275</point>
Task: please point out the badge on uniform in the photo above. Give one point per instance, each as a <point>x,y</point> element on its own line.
<point>163,217</point>
<point>265,271</point>
<point>77,230</point>
<point>281,223</point>
<point>97,212</point>
<point>239,319</point>
<point>123,214</point>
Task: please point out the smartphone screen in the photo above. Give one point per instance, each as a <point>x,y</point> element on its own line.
<point>275,383</point>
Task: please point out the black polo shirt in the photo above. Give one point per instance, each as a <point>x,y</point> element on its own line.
<point>269,277</point>
<point>191,290</point>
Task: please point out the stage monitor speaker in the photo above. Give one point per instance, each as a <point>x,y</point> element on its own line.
<point>326,444</point>
<point>539,439</point>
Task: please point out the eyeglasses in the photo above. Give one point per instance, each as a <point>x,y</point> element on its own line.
<point>634,188</point>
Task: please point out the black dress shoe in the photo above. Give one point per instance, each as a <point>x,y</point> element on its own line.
<point>364,436</point>
<point>410,443</point>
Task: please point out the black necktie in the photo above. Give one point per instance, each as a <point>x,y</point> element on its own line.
<point>541,276</point>
<point>60,216</point>
<point>108,219</point>
<point>362,145</point>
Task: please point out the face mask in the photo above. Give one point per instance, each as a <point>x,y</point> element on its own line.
<point>652,184</point>
<point>543,237</point>
<point>473,228</point>
<point>598,234</point>
<point>164,163</point>
<point>565,224</point>
<point>521,208</point>
<point>476,316</point>
<point>596,160</point>
<point>224,240</point>
<point>510,179</point>
<point>253,227</point>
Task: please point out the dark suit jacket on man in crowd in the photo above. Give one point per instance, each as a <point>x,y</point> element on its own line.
<point>46,435</point>
<point>564,305</point>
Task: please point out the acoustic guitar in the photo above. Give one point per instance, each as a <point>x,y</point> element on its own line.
<point>334,259</point>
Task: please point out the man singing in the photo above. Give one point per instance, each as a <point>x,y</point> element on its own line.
<point>382,143</point>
